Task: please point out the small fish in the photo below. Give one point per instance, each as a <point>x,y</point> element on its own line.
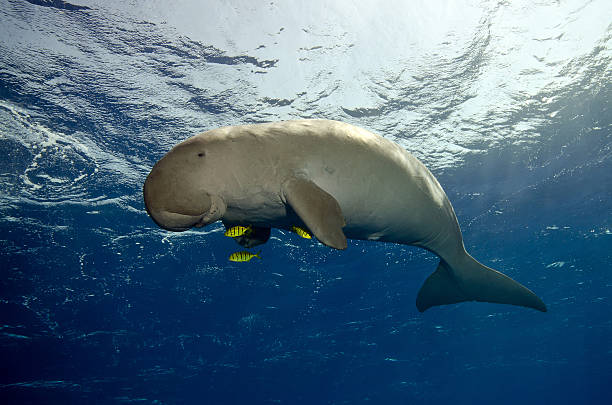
<point>301,232</point>
<point>238,230</point>
<point>243,256</point>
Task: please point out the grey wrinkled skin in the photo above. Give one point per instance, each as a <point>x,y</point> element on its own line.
<point>337,180</point>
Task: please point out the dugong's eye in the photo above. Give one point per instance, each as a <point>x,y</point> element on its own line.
<point>201,154</point>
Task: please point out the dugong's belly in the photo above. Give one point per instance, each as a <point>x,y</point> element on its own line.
<point>394,200</point>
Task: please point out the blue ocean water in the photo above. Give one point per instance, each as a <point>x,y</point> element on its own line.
<point>508,103</point>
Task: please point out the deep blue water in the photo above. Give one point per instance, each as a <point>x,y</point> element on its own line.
<point>508,104</point>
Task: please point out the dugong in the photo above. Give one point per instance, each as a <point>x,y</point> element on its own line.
<point>337,180</point>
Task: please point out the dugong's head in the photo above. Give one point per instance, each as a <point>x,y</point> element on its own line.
<point>180,191</point>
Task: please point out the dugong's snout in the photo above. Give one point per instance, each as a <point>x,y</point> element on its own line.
<point>177,207</point>
<point>173,221</point>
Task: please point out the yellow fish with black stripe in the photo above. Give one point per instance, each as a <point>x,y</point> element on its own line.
<point>238,230</point>
<point>301,232</point>
<point>243,256</point>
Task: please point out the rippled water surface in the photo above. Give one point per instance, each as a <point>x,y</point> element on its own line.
<point>508,103</point>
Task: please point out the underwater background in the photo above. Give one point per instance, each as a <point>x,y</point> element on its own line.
<point>507,103</point>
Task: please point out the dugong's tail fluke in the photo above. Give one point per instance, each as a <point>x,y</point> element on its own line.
<point>469,280</point>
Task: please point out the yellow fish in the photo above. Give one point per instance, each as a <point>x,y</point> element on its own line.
<point>301,232</point>
<point>238,230</point>
<point>243,256</point>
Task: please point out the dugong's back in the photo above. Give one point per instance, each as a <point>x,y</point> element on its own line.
<point>384,192</point>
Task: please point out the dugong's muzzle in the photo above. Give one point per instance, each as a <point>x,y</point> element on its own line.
<point>176,211</point>
<point>173,221</point>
